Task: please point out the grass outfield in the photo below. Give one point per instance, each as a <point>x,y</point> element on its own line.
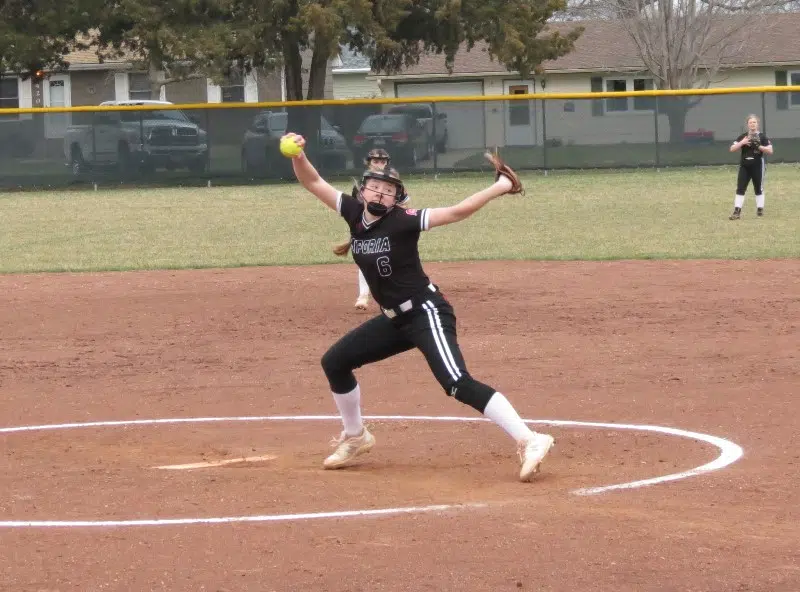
<point>647,214</point>
<point>627,155</point>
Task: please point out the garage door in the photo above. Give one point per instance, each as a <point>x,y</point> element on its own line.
<point>465,121</point>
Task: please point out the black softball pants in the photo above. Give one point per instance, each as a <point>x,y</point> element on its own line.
<point>755,172</point>
<point>430,326</point>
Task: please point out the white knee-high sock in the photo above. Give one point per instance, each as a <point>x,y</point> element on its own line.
<point>738,201</point>
<point>501,412</point>
<point>760,200</point>
<point>363,288</point>
<point>349,406</point>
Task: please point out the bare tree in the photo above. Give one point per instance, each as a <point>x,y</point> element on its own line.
<point>683,44</point>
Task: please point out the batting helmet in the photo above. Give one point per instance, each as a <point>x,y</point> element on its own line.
<point>377,153</point>
<point>392,176</point>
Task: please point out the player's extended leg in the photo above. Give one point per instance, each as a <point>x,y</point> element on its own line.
<point>741,186</point>
<point>758,185</point>
<point>374,340</point>
<point>433,331</point>
<point>362,302</point>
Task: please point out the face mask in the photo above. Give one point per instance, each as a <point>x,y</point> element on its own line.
<point>377,209</point>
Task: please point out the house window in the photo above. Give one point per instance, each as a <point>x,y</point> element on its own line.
<point>139,87</point>
<point>9,96</point>
<point>623,104</point>
<point>794,80</point>
<point>643,103</point>
<point>9,93</point>
<point>620,104</point>
<point>233,89</point>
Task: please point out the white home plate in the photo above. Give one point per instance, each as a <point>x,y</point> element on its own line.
<point>218,463</point>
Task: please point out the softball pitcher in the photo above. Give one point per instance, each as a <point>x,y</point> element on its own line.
<point>414,312</point>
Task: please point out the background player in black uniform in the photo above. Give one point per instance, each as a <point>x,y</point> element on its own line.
<point>752,166</point>
<point>414,313</point>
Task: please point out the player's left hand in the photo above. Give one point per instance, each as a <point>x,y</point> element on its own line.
<point>505,174</point>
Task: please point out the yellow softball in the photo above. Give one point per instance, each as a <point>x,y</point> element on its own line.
<point>289,147</point>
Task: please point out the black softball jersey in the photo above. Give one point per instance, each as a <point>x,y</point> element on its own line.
<point>387,250</point>
<point>750,154</point>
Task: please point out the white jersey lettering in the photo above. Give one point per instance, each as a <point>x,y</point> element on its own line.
<point>371,246</point>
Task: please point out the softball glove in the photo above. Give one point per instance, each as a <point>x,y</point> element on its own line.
<point>501,168</point>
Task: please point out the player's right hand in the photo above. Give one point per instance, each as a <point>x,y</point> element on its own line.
<point>298,139</point>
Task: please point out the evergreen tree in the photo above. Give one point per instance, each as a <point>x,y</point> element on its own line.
<point>392,33</point>
<point>171,40</point>
<point>38,34</point>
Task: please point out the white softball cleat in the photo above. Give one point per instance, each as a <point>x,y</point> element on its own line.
<point>348,448</point>
<point>531,453</point>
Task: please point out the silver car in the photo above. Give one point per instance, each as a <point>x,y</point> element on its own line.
<point>260,144</point>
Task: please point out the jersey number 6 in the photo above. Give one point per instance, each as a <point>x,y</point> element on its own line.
<point>383,266</point>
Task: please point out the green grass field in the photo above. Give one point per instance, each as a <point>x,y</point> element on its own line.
<point>638,214</point>
<point>626,155</point>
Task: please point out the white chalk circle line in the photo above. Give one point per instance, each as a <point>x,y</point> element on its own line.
<point>729,454</point>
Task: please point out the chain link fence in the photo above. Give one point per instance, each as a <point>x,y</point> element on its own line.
<point>200,144</point>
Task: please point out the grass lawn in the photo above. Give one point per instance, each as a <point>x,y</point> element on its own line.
<point>627,155</point>
<point>639,214</point>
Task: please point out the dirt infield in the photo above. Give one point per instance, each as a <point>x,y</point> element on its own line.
<point>712,347</point>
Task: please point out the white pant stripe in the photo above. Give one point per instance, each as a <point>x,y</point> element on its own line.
<point>438,340</point>
<point>441,341</point>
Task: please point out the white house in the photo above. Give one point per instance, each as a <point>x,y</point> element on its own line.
<point>604,59</point>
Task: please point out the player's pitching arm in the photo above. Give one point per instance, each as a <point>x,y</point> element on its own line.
<point>465,209</point>
<point>310,178</point>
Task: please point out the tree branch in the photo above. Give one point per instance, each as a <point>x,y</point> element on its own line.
<point>175,79</point>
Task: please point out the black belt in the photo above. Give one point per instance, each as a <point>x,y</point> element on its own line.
<point>403,306</point>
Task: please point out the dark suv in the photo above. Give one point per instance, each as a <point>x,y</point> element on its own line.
<point>435,124</point>
<point>400,133</point>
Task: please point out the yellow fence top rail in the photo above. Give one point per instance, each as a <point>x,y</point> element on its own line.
<point>391,101</point>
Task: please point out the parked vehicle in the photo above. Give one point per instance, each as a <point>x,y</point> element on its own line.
<point>260,144</point>
<point>436,126</point>
<point>136,140</point>
<point>400,133</point>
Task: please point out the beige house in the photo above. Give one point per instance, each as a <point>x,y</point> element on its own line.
<point>350,77</point>
<point>89,82</point>
<point>604,59</point>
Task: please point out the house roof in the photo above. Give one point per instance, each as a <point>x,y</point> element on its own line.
<point>603,46</point>
<point>85,57</point>
<point>606,46</point>
<point>352,60</point>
